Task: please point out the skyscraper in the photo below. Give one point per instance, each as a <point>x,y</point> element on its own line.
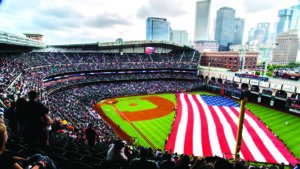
<point>287,49</point>
<point>285,16</point>
<point>289,19</point>
<point>251,35</point>
<point>225,26</point>
<point>238,31</point>
<point>262,32</point>
<point>202,20</point>
<point>179,36</point>
<point>157,29</point>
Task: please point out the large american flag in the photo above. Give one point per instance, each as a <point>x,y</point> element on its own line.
<point>207,126</point>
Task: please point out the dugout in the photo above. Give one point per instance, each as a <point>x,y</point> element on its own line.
<point>280,99</point>
<point>220,81</point>
<point>254,93</point>
<point>245,86</point>
<point>266,96</point>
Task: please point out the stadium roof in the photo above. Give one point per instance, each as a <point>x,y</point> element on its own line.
<point>15,40</point>
<point>124,44</point>
<point>32,34</point>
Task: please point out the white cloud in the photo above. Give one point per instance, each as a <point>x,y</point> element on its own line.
<point>76,21</point>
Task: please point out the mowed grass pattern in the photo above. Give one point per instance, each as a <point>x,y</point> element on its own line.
<point>113,115</point>
<point>275,120</point>
<point>157,130</point>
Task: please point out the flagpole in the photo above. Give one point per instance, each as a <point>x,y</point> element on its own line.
<point>240,129</point>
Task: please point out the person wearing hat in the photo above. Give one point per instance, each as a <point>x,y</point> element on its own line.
<point>116,153</point>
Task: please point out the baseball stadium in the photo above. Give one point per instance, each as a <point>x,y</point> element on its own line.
<point>151,95</point>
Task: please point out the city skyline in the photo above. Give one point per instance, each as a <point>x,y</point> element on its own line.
<point>76,22</point>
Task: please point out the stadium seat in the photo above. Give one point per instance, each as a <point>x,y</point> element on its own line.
<point>79,165</point>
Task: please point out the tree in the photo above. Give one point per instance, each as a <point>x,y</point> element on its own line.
<point>269,74</point>
<point>270,68</point>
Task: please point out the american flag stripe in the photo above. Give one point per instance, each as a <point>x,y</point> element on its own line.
<point>197,140</point>
<point>246,136</point>
<point>190,126</point>
<point>172,138</point>
<point>221,134</point>
<point>260,140</point>
<point>228,131</point>
<point>213,136</point>
<point>207,151</point>
<point>246,154</point>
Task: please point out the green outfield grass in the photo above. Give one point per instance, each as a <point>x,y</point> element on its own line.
<point>113,115</point>
<point>156,130</point>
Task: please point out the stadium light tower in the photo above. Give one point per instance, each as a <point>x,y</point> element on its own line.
<point>242,49</point>
<point>266,52</point>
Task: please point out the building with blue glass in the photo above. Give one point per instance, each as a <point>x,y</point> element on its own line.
<point>157,29</point>
<point>224,32</point>
<point>238,31</point>
<point>288,19</point>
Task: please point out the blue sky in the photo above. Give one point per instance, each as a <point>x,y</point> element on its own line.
<point>77,21</point>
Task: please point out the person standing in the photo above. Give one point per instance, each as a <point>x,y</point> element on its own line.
<point>35,117</point>
<point>90,135</point>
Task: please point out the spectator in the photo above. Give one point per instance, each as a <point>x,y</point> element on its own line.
<point>183,163</point>
<point>12,118</point>
<point>35,117</point>
<point>281,166</point>
<point>168,163</point>
<point>47,127</point>
<point>116,153</point>
<point>90,135</point>
<point>143,163</point>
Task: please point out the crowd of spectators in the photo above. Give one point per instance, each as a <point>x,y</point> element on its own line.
<point>115,77</point>
<point>120,154</point>
<point>49,63</point>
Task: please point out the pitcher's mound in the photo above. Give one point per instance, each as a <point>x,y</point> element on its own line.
<point>132,104</point>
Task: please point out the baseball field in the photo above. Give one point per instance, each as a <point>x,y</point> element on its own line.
<point>148,119</point>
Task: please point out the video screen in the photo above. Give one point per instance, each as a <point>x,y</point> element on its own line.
<point>150,50</point>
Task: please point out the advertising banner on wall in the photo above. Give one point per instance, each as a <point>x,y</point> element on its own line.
<point>264,84</point>
<point>245,81</point>
<point>237,79</point>
<point>289,88</point>
<point>298,90</point>
<point>254,82</point>
<point>229,77</point>
<point>276,86</point>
